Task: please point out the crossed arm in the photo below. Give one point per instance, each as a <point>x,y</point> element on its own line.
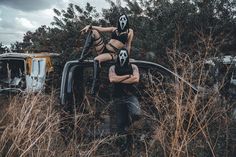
<point>114,78</point>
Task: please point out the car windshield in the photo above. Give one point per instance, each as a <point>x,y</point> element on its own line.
<point>11,68</point>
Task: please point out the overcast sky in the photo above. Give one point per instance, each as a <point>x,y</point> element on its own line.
<point>19,16</point>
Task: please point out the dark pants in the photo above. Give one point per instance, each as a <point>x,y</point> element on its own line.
<point>126,110</point>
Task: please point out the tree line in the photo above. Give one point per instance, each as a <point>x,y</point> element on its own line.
<point>160,26</point>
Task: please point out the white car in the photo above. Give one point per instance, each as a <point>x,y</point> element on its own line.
<point>24,71</point>
<point>228,61</point>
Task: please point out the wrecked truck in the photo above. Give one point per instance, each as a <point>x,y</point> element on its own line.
<point>222,71</point>
<point>77,79</point>
<point>25,71</point>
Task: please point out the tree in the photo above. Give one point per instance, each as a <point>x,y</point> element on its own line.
<point>175,24</point>
<point>3,49</point>
<point>158,26</point>
<point>65,36</point>
<point>17,47</point>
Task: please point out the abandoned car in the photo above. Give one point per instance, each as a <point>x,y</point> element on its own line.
<point>223,71</point>
<point>24,71</point>
<point>77,79</point>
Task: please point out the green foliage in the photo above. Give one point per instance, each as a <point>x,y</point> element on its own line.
<point>183,25</point>
<point>3,49</point>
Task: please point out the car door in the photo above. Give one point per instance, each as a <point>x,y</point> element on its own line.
<point>36,79</point>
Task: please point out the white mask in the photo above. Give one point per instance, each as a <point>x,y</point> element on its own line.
<point>123,55</point>
<point>123,21</point>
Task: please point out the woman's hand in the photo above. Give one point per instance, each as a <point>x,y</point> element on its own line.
<point>86,28</point>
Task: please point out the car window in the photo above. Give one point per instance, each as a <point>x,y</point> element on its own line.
<point>41,65</point>
<point>35,67</point>
<point>38,67</point>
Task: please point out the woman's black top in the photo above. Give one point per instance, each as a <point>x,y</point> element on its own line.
<point>120,37</point>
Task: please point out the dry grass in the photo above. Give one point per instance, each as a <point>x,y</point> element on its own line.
<point>32,126</point>
<point>191,124</point>
<point>177,122</point>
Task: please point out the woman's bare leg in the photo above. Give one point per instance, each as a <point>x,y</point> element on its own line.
<point>98,42</point>
<point>104,57</point>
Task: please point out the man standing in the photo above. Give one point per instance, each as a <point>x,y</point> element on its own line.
<point>124,75</point>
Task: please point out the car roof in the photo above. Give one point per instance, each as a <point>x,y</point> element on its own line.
<point>27,55</point>
<point>224,59</point>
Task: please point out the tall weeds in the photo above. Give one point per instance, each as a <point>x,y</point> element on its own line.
<point>32,127</point>
<point>176,122</point>
<point>191,123</point>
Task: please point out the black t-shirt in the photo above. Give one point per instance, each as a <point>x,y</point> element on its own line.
<point>123,89</point>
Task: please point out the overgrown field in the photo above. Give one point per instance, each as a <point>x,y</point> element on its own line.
<point>176,122</point>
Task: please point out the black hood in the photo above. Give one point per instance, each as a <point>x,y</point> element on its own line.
<point>122,66</point>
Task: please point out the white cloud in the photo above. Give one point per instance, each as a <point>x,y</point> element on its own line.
<point>65,1</point>
<point>47,12</point>
<point>15,23</point>
<point>28,5</point>
<point>15,20</point>
<point>38,18</point>
<point>25,22</point>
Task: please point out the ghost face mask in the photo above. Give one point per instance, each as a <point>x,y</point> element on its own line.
<point>123,56</point>
<point>122,66</point>
<point>123,23</point>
